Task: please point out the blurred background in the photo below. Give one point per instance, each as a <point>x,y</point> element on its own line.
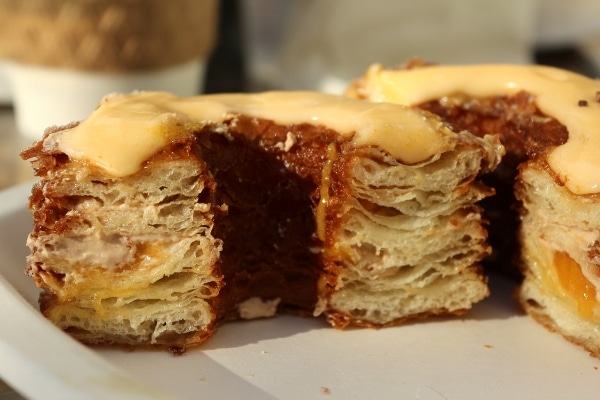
<point>311,44</point>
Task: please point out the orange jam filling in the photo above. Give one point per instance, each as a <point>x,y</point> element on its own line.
<point>575,284</point>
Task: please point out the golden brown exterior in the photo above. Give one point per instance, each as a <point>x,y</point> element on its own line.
<point>560,238</point>
<point>129,260</point>
<point>538,225</point>
<point>245,217</point>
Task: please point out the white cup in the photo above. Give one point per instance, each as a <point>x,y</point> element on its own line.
<point>45,97</point>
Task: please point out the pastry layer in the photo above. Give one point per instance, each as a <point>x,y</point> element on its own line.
<point>182,217</point>
<point>546,118</point>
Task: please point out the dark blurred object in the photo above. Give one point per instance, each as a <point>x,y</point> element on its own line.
<point>567,57</point>
<point>225,70</point>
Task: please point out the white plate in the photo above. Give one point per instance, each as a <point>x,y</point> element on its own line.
<point>493,352</point>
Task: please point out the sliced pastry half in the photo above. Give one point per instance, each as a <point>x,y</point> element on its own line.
<point>547,212</point>
<point>158,218</point>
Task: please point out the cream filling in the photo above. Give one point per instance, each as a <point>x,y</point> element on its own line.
<point>255,307</point>
<point>125,130</point>
<point>109,253</point>
<point>570,98</point>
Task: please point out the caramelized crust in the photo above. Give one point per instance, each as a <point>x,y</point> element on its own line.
<point>526,134</point>
<point>524,131</point>
<point>272,194</point>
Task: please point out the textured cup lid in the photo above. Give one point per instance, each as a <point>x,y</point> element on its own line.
<point>109,35</point>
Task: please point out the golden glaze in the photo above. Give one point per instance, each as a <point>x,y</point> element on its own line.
<point>568,97</point>
<point>126,130</point>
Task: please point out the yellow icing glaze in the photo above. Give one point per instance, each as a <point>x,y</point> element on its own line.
<point>126,130</point>
<point>558,93</point>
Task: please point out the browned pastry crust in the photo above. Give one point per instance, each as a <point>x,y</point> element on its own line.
<point>526,134</point>
<point>237,204</point>
<point>543,234</point>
